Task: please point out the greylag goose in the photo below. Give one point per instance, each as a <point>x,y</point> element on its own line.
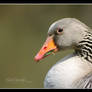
<point>74,70</point>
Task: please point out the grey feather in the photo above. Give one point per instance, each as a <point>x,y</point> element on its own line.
<point>85,82</point>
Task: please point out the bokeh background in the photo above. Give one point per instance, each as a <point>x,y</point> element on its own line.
<point>23,30</point>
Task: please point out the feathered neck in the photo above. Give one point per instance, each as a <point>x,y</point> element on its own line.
<point>84,48</point>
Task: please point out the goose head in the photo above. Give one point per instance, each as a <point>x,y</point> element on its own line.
<point>62,34</point>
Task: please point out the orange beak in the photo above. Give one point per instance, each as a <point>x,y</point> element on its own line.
<point>48,47</point>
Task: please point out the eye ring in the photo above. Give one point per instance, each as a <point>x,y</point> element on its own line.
<point>59,31</point>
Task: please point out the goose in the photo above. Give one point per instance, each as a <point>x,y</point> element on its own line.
<point>74,71</point>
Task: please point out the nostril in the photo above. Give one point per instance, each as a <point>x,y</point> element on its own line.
<point>45,48</point>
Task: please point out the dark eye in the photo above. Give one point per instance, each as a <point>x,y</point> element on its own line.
<point>59,31</point>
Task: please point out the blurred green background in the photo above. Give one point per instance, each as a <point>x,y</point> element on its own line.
<point>23,30</point>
